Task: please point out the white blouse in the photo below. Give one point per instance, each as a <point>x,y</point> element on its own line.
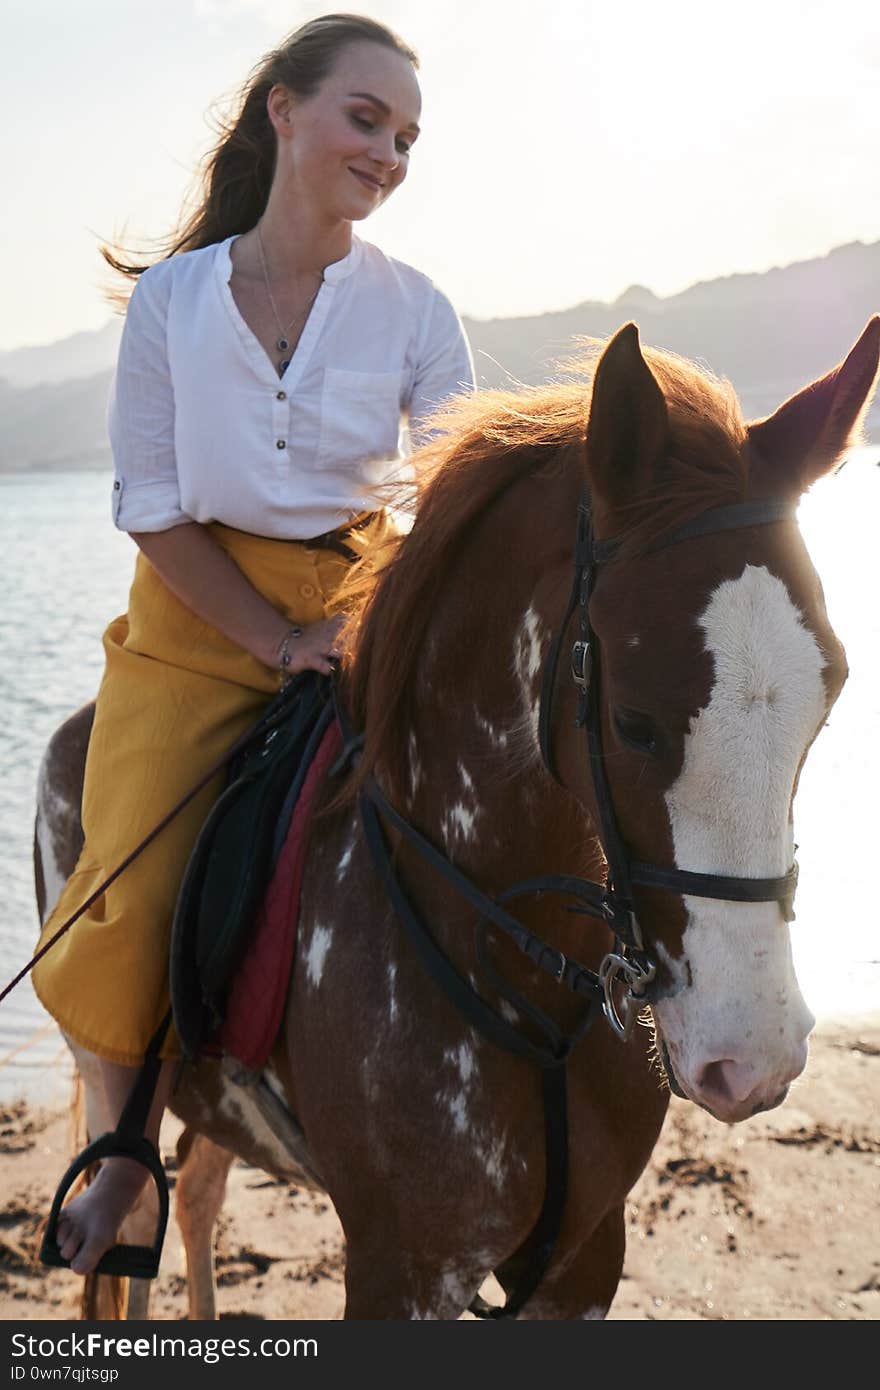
<point>203,429</point>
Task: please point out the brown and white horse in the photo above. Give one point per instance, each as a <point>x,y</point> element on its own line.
<point>718,668</point>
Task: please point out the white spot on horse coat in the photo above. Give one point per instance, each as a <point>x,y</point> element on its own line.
<point>458,821</point>
<point>457,824</point>
<point>729,814</point>
<point>528,644</point>
<point>489,1150</point>
<point>54,813</point>
<point>344,862</point>
<point>392,992</point>
<point>528,647</point>
<point>415,766</point>
<point>53,878</point>
<point>497,737</point>
<point>491,1153</point>
<point>316,955</point>
<point>463,1060</point>
<point>456,1295</point>
<point>457,1107</point>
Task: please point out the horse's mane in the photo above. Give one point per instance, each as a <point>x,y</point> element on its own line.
<point>483,444</point>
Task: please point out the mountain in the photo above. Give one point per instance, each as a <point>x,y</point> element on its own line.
<point>81,355</point>
<point>769,333</point>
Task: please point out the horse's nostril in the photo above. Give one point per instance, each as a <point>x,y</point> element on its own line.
<point>723,1081</point>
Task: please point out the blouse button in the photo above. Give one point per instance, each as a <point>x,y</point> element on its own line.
<point>281,396</point>
<point>280,443</point>
<point>116,485</point>
<point>307,590</point>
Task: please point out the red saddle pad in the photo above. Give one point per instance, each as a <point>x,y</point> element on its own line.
<point>259,989</point>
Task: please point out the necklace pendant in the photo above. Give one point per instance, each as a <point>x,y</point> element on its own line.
<point>283,365</point>
<point>282,344</point>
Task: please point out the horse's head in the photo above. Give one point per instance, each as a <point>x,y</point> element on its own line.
<point>718,668</point>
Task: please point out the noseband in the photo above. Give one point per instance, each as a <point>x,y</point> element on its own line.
<point>627,971</point>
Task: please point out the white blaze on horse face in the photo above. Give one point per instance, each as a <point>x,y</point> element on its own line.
<point>316,955</point>
<point>736,1028</point>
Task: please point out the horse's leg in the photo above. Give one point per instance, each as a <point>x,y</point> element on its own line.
<point>383,1282</point>
<point>581,1282</point>
<point>139,1228</point>
<point>202,1170</point>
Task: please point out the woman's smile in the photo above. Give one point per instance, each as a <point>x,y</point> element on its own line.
<point>371,181</point>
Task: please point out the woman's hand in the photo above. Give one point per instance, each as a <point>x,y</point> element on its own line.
<point>314,650</point>
<point>208,581</point>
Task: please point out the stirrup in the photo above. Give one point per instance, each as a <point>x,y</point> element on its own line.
<point>132,1261</point>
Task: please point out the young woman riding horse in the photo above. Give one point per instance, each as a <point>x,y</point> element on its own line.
<point>265,370</point>
<point>695,666</point>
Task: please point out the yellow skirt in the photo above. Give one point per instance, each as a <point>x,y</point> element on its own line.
<point>175,695</point>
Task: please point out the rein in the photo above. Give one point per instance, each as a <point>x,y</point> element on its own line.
<point>621,987</point>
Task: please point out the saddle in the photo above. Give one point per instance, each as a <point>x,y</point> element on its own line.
<point>232,862</point>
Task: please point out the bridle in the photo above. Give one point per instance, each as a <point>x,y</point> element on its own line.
<point>622,986</point>
<point>628,970</point>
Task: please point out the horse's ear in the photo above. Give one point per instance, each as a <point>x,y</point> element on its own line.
<point>628,427</point>
<point>808,434</point>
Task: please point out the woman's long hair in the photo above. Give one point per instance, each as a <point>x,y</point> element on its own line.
<point>232,186</point>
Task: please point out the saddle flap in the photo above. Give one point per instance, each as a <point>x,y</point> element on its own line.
<point>231,863</point>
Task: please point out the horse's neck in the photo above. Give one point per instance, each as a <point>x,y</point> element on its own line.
<point>477,782</point>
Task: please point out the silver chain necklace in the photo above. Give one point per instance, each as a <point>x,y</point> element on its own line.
<point>283,343</point>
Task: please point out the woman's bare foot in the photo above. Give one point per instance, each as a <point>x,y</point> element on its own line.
<point>88,1226</point>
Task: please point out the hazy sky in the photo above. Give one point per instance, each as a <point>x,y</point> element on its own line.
<point>570,148</point>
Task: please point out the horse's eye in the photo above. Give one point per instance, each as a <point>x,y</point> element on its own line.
<point>638,730</point>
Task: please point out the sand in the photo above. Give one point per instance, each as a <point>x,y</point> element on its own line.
<point>776,1218</point>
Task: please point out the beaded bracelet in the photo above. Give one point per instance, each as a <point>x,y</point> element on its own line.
<point>284,654</point>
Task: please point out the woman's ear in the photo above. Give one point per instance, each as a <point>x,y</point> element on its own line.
<point>280,106</point>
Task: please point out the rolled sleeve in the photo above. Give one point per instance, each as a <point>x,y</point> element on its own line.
<point>445,367</point>
<point>146,493</point>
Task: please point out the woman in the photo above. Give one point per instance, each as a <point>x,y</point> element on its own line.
<point>262,377</point>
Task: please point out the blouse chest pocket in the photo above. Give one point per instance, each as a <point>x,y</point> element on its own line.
<point>360,417</point>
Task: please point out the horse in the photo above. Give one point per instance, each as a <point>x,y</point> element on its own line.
<point>652,783</point>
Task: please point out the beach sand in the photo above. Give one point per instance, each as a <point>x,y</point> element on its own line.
<point>776,1218</point>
